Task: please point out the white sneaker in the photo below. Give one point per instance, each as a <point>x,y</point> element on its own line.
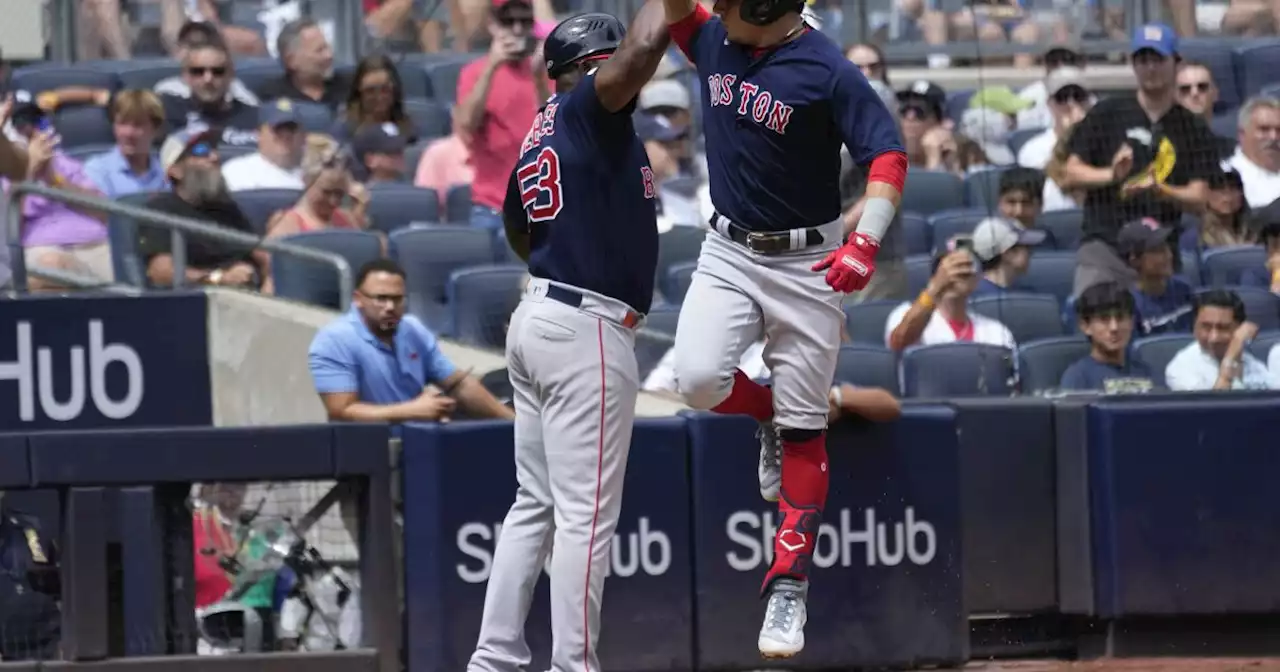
<point>782,634</point>
<point>770,469</point>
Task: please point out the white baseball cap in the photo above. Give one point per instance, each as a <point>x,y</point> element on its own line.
<point>994,236</point>
<point>664,93</point>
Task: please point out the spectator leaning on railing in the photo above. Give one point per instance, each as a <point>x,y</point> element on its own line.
<point>1140,156</point>
<point>1104,313</point>
<point>190,160</point>
<point>375,364</point>
<point>1219,359</point>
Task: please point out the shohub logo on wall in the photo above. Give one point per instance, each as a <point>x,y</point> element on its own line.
<point>643,550</point>
<point>841,543</point>
<point>102,361</point>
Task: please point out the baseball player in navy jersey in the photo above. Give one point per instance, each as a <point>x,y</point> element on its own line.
<point>779,101</point>
<point>580,208</point>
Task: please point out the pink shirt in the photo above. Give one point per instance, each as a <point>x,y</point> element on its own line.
<point>445,163</point>
<point>48,223</point>
<point>508,113</point>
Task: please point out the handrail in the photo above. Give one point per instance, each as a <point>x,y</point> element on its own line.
<point>178,226</point>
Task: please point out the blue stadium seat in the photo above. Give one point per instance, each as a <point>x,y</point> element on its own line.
<point>80,126</point>
<point>429,256</point>
<point>314,117</point>
<point>1262,344</point>
<point>927,191</point>
<point>412,157</point>
<point>85,152</point>
<point>1260,305</point>
<point>865,322</point>
<point>38,79</point>
<point>677,280</point>
<point>1225,125</point>
<point>957,103</point>
<point>1028,316</point>
<point>1042,362</point>
<point>1157,351</point>
<point>1020,137</point>
<point>1064,227</point>
<point>394,206</point>
<point>982,188</point>
<point>413,80</point>
<point>1257,65</point>
<point>1191,271</point>
<point>679,245</point>
<point>943,225</point>
<point>1221,61</point>
<point>919,270</point>
<point>432,118</point>
<point>656,337</point>
<point>457,204</point>
<point>258,205</point>
<point>1222,266</point>
<point>916,235</point>
<point>956,370</point>
<point>315,282</point>
<point>868,366</point>
<point>126,260</point>
<point>443,78</point>
<point>482,299</point>
<point>1051,273</point>
<point>502,252</point>
<point>143,73</point>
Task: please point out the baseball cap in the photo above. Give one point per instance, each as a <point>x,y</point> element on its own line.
<point>378,139</point>
<point>278,113</point>
<point>999,98</point>
<point>1142,235</point>
<point>179,145</point>
<point>1062,54</point>
<point>25,108</point>
<point>994,236</point>
<point>1226,176</point>
<point>1063,77</point>
<point>659,128</point>
<point>1157,37</point>
<point>664,93</point>
<point>933,96</point>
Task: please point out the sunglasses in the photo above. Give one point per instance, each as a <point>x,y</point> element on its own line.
<point>1198,87</point>
<point>1071,94</point>
<point>513,21</point>
<point>377,88</point>
<point>913,111</point>
<point>201,150</point>
<point>869,66</point>
<point>216,71</point>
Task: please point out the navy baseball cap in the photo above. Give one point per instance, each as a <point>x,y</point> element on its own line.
<point>278,113</point>
<point>1157,37</point>
<point>379,139</point>
<point>1142,235</point>
<point>659,128</point>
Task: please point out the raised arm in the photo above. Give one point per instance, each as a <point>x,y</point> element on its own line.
<point>685,17</point>
<point>619,79</point>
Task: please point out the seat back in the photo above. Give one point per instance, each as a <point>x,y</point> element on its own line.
<point>1028,316</point>
<point>1222,266</point>
<point>863,365</point>
<point>1065,227</point>
<point>394,206</point>
<point>1157,351</point>
<point>957,370</point>
<point>481,300</point>
<point>1042,362</point>
<point>1050,272</point>
<point>865,322</point>
<point>258,205</point>
<point>317,282</point>
<point>429,256</point>
<point>927,192</point>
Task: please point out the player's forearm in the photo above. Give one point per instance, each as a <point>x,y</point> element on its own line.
<point>620,79</point>
<point>685,17</point>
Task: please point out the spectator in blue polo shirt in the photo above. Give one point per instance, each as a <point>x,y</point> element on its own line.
<point>1162,303</point>
<point>1105,314</point>
<point>132,166</point>
<point>375,363</point>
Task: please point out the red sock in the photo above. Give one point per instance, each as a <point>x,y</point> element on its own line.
<point>805,477</point>
<point>747,397</point>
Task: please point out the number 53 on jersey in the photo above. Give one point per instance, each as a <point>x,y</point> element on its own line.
<point>541,193</point>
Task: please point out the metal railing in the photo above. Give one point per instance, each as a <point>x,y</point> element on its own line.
<point>179,228</point>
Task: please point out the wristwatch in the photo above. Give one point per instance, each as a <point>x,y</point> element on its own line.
<point>215,278</point>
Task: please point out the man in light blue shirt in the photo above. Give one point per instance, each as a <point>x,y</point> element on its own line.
<point>374,363</point>
<point>132,166</point>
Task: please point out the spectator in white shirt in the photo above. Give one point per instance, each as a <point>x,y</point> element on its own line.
<point>278,162</point>
<point>1219,359</point>
<point>1039,114</point>
<point>941,313</point>
<point>1068,102</point>
<point>1257,159</point>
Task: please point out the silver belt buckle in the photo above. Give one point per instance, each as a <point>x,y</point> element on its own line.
<point>754,237</point>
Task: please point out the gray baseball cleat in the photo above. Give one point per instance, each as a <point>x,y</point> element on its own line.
<point>782,634</point>
<point>770,469</point>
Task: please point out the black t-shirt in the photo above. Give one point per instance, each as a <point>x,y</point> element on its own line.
<point>238,121</point>
<point>1192,154</point>
<point>336,90</point>
<point>203,253</point>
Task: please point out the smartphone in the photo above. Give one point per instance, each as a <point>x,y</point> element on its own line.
<point>964,244</point>
<point>45,125</point>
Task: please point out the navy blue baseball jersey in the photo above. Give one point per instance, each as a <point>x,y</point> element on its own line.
<point>775,121</point>
<point>584,185</point>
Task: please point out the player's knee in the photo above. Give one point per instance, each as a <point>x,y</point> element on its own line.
<point>702,386</point>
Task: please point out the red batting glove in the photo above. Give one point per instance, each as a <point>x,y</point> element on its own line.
<point>850,266</point>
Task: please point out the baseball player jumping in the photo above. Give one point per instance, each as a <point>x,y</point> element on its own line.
<point>779,99</point>
<point>580,208</point>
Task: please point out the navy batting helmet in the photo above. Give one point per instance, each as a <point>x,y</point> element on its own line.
<point>765,12</point>
<point>580,37</point>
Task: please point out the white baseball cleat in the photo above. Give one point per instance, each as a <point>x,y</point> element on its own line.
<point>770,469</point>
<point>782,634</point>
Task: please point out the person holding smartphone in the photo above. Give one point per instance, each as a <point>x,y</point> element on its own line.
<point>940,314</point>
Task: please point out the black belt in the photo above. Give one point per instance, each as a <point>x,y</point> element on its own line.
<point>574,300</point>
<point>766,242</point>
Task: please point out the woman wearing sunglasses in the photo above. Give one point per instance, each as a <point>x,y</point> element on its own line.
<point>376,98</point>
